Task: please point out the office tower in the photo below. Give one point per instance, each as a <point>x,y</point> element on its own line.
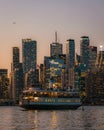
<point>17,83</point>
<point>56,48</point>
<point>42,75</point>
<point>70,62</point>
<point>84,50</point>
<point>70,53</point>
<point>95,86</point>
<point>52,72</point>
<point>95,81</point>
<point>15,58</point>
<point>16,75</point>
<point>4,84</point>
<point>100,60</point>
<point>29,57</point>
<point>92,58</point>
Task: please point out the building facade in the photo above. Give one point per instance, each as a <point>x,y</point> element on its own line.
<point>53,72</point>
<point>100,60</point>
<point>4,84</point>
<point>84,50</point>
<point>92,58</point>
<point>70,63</point>
<point>16,76</point>
<point>95,87</point>
<point>29,58</point>
<point>15,57</point>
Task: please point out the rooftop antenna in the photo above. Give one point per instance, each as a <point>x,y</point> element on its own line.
<point>56,36</point>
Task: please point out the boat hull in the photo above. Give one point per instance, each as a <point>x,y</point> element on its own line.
<point>49,107</point>
<point>38,107</point>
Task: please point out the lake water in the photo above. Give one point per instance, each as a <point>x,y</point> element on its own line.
<point>16,118</point>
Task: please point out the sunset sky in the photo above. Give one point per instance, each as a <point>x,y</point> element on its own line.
<point>39,19</point>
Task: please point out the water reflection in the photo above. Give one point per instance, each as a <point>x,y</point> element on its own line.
<point>53,124</point>
<point>14,118</point>
<point>36,120</point>
<point>92,118</point>
<point>87,120</point>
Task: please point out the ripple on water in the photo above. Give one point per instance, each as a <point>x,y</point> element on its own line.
<point>14,118</point>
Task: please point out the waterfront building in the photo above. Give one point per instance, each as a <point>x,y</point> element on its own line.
<point>29,57</point>
<point>95,82</point>
<point>53,67</point>
<point>56,48</point>
<point>4,84</point>
<point>70,62</point>
<point>17,83</point>
<point>45,73</point>
<point>80,73</point>
<point>41,67</point>
<point>100,60</point>
<point>84,50</point>
<point>95,87</point>
<point>15,58</point>
<point>92,58</point>
<point>70,53</point>
<point>16,76</point>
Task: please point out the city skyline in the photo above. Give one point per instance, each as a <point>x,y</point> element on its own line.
<point>39,21</point>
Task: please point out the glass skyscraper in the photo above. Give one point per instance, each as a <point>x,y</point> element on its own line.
<point>70,53</point>
<point>16,75</point>
<point>100,60</point>
<point>70,63</point>
<point>93,56</point>
<point>85,51</point>
<point>53,72</point>
<point>16,58</point>
<point>29,57</point>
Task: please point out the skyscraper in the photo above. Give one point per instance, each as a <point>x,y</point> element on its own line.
<point>4,84</point>
<point>100,60</point>
<point>56,48</point>
<point>16,75</point>
<point>29,57</point>
<point>70,62</point>
<point>53,70</point>
<point>16,58</point>
<point>92,58</point>
<point>84,50</point>
<point>70,53</point>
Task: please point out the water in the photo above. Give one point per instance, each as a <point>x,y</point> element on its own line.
<point>16,118</point>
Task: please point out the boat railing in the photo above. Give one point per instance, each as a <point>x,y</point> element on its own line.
<point>50,94</point>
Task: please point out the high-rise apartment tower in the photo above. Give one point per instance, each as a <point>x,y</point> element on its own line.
<point>70,62</point>
<point>29,57</point>
<point>85,51</point>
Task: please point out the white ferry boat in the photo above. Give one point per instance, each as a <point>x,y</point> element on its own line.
<point>49,99</point>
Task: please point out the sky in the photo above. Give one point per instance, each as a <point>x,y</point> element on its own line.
<point>39,19</point>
